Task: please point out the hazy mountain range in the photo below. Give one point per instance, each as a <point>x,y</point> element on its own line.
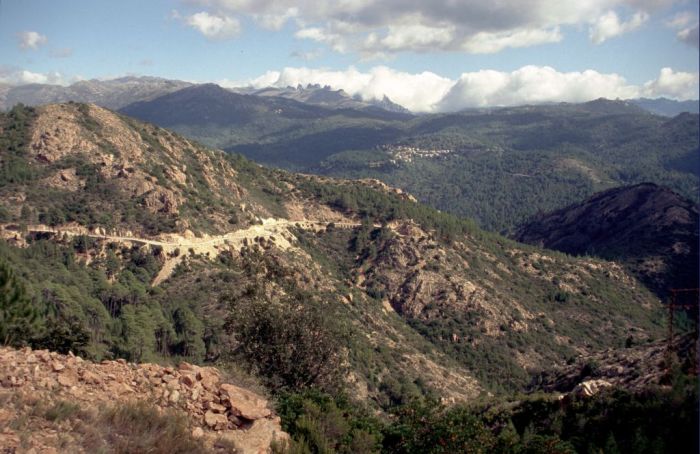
<point>119,92</point>
<point>324,96</point>
<point>667,107</point>
<point>113,94</point>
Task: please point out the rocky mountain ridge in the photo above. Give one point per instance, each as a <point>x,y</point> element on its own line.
<point>326,96</point>
<point>111,93</point>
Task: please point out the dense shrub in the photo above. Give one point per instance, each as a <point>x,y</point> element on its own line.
<point>291,343</point>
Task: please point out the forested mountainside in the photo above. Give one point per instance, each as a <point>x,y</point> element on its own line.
<point>499,167</point>
<point>652,230</point>
<point>446,287</point>
<point>124,240</point>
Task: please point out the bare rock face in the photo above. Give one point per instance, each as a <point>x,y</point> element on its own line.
<point>636,367</point>
<point>590,388</point>
<point>214,409</point>
<point>243,403</point>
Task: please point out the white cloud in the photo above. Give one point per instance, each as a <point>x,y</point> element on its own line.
<point>31,40</point>
<point>212,26</point>
<point>276,21</point>
<point>681,20</point>
<point>689,36</point>
<point>489,43</point>
<point>686,24</point>
<point>334,40</point>
<point>417,92</point>
<point>13,76</point>
<point>672,84</point>
<point>608,26</point>
<point>380,27</point>
<point>533,85</point>
<point>429,92</point>
<point>411,36</point>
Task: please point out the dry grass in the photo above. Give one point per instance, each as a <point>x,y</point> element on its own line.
<point>139,427</point>
<point>223,444</point>
<point>61,410</point>
<point>123,428</point>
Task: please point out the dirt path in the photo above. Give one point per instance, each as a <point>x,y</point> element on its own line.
<point>176,247</point>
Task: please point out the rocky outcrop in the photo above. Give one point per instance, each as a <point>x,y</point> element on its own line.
<point>215,410</point>
<point>635,367</point>
<point>590,388</point>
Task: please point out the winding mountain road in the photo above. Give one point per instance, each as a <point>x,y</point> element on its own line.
<point>174,246</point>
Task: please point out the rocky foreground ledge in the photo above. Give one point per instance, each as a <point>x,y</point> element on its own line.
<point>217,414</point>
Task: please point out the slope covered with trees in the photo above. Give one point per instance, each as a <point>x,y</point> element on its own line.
<point>383,299</point>
<point>498,166</point>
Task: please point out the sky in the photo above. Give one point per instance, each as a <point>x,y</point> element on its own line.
<point>427,55</point>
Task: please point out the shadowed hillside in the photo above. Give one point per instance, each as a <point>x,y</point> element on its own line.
<point>651,229</point>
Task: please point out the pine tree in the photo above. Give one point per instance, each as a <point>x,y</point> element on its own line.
<point>18,317</point>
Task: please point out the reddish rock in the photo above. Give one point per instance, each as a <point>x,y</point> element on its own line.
<point>168,378</point>
<point>67,379</point>
<point>244,403</point>
<point>185,366</point>
<point>210,382</point>
<point>195,391</point>
<point>216,408</point>
<point>90,378</point>
<point>216,421</point>
<point>188,380</point>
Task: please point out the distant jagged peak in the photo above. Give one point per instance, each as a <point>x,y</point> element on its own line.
<point>325,96</point>
<point>387,104</point>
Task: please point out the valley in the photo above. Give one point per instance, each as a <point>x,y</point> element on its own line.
<point>350,227</point>
<point>129,241</point>
<point>467,163</point>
